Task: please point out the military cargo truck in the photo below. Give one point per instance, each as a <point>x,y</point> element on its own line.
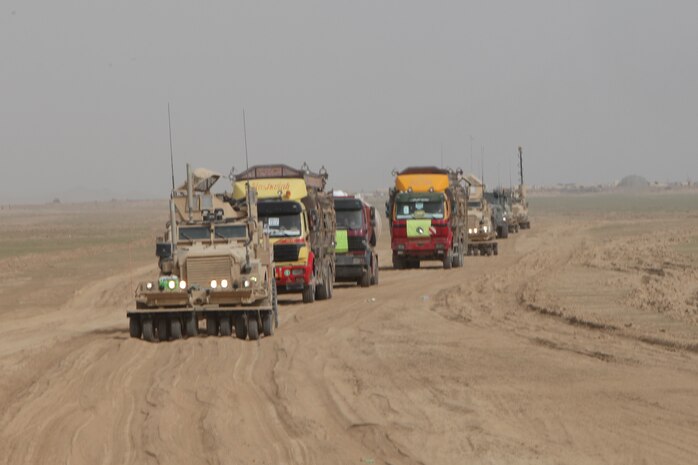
<point>299,217</point>
<point>215,265</point>
<point>427,213</point>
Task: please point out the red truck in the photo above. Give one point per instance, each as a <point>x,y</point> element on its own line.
<point>356,257</point>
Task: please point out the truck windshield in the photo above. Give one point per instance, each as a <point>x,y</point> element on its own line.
<point>195,233</point>
<point>350,219</point>
<point>476,204</point>
<point>282,225</point>
<point>233,231</point>
<point>416,207</point>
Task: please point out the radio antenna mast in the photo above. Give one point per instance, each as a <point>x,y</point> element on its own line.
<point>169,124</point>
<point>244,130</point>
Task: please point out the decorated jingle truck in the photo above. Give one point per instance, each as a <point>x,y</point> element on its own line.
<point>427,214</point>
<point>299,217</point>
<point>356,235</point>
<point>215,265</point>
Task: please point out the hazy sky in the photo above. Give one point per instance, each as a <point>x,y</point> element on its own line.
<point>593,90</point>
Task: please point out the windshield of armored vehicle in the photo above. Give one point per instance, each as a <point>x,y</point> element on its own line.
<point>475,204</point>
<point>350,219</point>
<point>231,231</point>
<point>194,233</point>
<point>282,225</point>
<point>428,207</point>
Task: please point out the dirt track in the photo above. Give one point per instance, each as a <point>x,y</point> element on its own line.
<point>543,354</point>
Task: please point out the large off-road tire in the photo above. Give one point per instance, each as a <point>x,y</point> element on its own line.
<point>330,283</point>
<point>458,258</point>
<point>268,323</point>
<point>240,326</point>
<point>252,327</point>
<point>211,325</point>
<point>323,290</point>
<point>398,262</point>
<point>176,328</point>
<point>448,260</point>
<point>163,324</point>
<point>149,330</point>
<point>226,326</point>
<point>275,304</point>
<point>309,294</point>
<point>134,327</point>
<point>376,270</point>
<point>495,249</point>
<point>191,326</point>
<point>504,231</point>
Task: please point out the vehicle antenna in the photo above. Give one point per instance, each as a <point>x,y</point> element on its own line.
<point>482,165</point>
<point>169,123</point>
<point>244,130</point>
<point>521,164</point>
<point>472,169</point>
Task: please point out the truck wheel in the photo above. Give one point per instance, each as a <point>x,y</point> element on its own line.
<point>162,328</point>
<point>275,304</point>
<point>191,326</point>
<point>365,280</point>
<point>505,232</point>
<point>374,278</point>
<point>398,263</point>
<point>176,328</point>
<point>322,291</point>
<point>149,331</point>
<point>470,250</point>
<point>268,323</point>
<point>252,327</point>
<point>240,327</point>
<point>226,326</point>
<point>134,327</point>
<point>448,260</point>
<point>496,249</point>
<point>211,326</point>
<point>458,258</point>
<point>309,294</point>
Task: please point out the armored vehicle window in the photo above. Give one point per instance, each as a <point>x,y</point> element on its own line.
<point>236,231</point>
<point>475,204</point>
<point>194,233</point>
<point>350,219</point>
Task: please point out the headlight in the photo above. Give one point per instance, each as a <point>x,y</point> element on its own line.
<point>149,286</point>
<point>246,283</point>
<point>171,284</point>
<point>214,284</point>
<point>484,228</point>
<point>182,284</point>
<point>224,283</point>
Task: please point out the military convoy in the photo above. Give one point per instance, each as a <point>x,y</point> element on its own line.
<point>215,265</point>
<point>224,258</point>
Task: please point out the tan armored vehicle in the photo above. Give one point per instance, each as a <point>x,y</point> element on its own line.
<point>481,225</point>
<point>216,264</point>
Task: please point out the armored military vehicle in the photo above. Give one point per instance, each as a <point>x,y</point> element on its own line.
<point>216,264</point>
<point>481,225</point>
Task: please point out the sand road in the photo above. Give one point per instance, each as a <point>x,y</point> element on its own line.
<point>535,356</point>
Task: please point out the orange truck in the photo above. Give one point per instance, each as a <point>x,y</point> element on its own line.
<point>427,212</point>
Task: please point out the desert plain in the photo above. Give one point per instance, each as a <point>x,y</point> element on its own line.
<point>577,344</point>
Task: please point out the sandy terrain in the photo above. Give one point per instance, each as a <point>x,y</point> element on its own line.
<point>578,344</point>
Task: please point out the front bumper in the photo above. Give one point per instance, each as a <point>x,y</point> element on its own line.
<point>292,276</point>
<point>350,267</point>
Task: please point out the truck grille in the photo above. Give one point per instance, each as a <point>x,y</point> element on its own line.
<point>356,243</point>
<point>286,252</point>
<point>202,270</point>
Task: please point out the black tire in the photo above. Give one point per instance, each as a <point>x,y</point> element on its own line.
<point>448,260</point>
<point>226,326</point>
<point>240,326</point>
<point>330,284</point>
<point>458,258</point>
<point>268,323</point>
<point>134,327</point>
<point>376,270</point>
<point>309,294</point>
<point>505,232</point>
<point>176,328</point>
<point>252,327</point>
<point>149,330</point>
<point>476,251</point>
<point>470,250</point>
<point>163,325</point>
<point>322,291</point>
<point>211,325</point>
<point>496,249</point>
<point>275,304</point>
<point>398,262</point>
<point>365,280</point>
<point>191,326</point>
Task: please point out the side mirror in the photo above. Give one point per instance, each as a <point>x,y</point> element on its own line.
<point>164,249</point>
<point>373,213</point>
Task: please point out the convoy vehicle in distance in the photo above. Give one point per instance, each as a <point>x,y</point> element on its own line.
<point>215,264</point>
<point>356,255</point>
<point>481,232</point>
<point>427,213</point>
<point>299,217</point>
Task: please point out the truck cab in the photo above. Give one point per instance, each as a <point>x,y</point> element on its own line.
<point>356,240</point>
